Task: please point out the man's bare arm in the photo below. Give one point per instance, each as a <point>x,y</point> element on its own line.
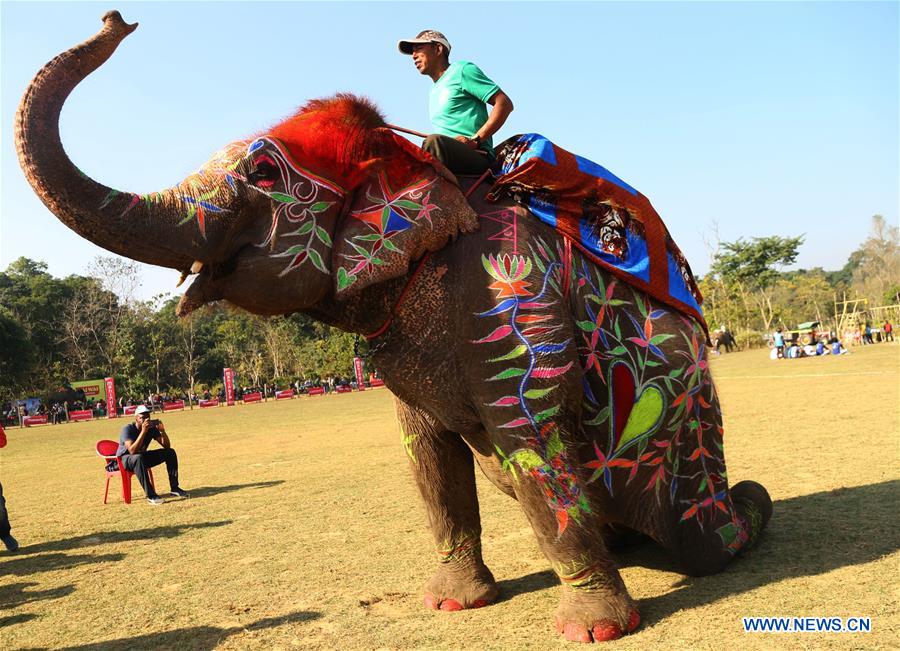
<point>163,437</point>
<point>502,107</point>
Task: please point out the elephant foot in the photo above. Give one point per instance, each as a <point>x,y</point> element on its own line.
<point>752,502</point>
<point>596,617</point>
<point>459,588</point>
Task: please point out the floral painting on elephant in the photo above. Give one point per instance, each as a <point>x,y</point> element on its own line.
<point>648,410</point>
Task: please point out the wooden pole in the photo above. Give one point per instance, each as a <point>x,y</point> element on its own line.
<point>409,131</point>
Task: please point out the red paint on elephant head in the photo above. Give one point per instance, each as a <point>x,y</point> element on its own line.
<point>345,138</point>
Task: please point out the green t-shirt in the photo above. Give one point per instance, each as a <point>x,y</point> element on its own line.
<point>456,103</point>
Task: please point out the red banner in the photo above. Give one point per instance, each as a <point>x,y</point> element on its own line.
<point>285,394</point>
<point>358,367</point>
<point>376,383</point>
<point>82,414</point>
<point>129,410</point>
<point>315,391</point>
<point>252,397</point>
<point>172,406</point>
<point>342,388</point>
<point>111,411</point>
<point>229,387</point>
<point>28,421</point>
<point>209,403</point>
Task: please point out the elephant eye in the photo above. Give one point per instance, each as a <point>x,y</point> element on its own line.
<point>264,173</point>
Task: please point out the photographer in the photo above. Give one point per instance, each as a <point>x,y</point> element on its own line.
<point>133,442</point>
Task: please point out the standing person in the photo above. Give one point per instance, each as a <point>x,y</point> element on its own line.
<point>867,333</point>
<point>5,530</point>
<point>779,342</point>
<point>888,331</point>
<point>456,105</point>
<point>133,442</point>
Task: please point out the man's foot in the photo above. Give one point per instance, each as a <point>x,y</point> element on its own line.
<point>178,492</point>
<point>155,500</point>
<point>11,543</point>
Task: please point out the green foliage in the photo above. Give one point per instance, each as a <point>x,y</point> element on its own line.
<point>58,329</point>
<point>14,367</point>
<point>755,263</point>
<point>747,291</point>
<point>749,339</point>
<point>746,272</point>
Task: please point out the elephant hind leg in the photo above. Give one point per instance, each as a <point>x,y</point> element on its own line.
<point>736,529</point>
<point>752,500</point>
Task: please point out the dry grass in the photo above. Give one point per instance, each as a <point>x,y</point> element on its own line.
<point>305,530</point>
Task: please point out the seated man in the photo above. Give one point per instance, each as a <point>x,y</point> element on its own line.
<point>456,105</point>
<point>133,442</point>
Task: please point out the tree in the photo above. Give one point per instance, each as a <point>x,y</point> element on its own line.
<point>877,262</point>
<point>804,296</point>
<point>241,345</point>
<point>35,300</point>
<point>85,327</point>
<point>16,355</point>
<point>752,269</point>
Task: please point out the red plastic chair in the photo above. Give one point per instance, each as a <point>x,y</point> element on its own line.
<point>107,451</point>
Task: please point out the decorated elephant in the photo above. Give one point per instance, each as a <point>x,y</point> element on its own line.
<point>575,376</point>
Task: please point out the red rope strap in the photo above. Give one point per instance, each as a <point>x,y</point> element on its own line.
<point>478,182</point>
<point>412,279</point>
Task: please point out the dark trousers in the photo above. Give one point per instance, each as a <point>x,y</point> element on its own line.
<point>140,463</point>
<point>4,516</point>
<point>458,157</point>
<point>889,336</point>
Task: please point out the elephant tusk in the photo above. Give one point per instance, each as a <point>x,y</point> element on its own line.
<point>195,269</point>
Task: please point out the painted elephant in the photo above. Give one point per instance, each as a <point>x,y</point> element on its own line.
<point>580,396</point>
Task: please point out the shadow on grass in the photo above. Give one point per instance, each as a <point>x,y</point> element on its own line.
<point>534,582</point>
<point>52,562</point>
<point>15,595</point>
<point>108,537</point>
<point>194,637</point>
<point>807,536</point>
<point>16,619</point>
<point>207,491</point>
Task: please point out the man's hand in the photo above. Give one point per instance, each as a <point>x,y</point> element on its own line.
<point>138,445</point>
<point>472,143</point>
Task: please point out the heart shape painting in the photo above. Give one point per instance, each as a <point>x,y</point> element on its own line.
<point>633,416</point>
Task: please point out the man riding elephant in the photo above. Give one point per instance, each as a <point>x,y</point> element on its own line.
<point>463,128</point>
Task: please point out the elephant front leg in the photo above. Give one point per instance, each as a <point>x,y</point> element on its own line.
<point>444,471</point>
<point>595,605</point>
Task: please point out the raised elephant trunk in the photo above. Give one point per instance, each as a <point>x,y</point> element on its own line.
<point>139,227</point>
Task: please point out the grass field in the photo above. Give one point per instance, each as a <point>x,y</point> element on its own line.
<point>304,530</point>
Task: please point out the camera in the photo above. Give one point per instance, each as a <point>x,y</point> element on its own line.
<point>155,422</point>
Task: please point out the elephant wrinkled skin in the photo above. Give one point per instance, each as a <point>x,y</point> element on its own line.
<point>587,401</point>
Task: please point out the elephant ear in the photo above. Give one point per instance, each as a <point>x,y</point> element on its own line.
<point>407,205</point>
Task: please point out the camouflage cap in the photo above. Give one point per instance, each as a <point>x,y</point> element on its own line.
<point>427,36</point>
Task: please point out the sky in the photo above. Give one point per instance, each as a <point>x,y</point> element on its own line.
<point>749,119</point>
